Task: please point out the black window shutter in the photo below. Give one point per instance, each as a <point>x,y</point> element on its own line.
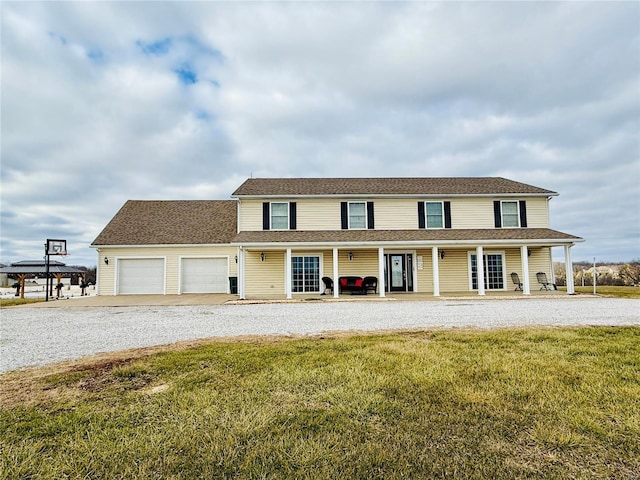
<point>265,216</point>
<point>497,213</point>
<point>447,214</point>
<point>292,216</point>
<point>523,213</point>
<point>370,222</point>
<point>344,215</point>
<point>421,218</point>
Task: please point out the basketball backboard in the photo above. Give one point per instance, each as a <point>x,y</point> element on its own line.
<point>56,247</point>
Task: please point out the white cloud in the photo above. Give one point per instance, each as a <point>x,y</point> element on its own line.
<point>102,102</point>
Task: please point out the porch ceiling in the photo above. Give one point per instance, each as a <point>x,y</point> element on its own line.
<point>433,237</point>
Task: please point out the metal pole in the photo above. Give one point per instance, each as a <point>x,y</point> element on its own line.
<point>46,256</point>
<point>595,274</point>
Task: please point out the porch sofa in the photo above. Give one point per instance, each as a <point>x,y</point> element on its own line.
<point>351,284</point>
<point>357,284</point>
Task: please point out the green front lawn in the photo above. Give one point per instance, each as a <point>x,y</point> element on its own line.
<point>609,291</point>
<point>510,403</point>
<point>10,302</point>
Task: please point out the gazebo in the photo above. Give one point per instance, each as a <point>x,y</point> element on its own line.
<point>21,270</point>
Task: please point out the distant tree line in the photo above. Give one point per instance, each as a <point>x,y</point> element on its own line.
<point>627,274</point>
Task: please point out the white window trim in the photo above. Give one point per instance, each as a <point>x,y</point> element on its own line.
<point>271,227</point>
<point>366,216</point>
<point>426,216</point>
<point>504,269</point>
<point>320,256</point>
<point>502,202</point>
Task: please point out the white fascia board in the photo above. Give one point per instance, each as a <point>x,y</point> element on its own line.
<point>189,245</point>
<point>412,243</point>
<point>397,195</point>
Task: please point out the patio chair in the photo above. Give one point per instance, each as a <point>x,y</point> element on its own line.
<point>328,285</point>
<point>370,283</point>
<point>516,281</point>
<point>542,280</point>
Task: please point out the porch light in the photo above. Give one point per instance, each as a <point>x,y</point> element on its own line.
<point>262,256</point>
<point>236,258</point>
<point>350,256</point>
<point>106,261</point>
<point>442,254</point>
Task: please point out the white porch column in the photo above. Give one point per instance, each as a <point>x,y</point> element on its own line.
<point>480,269</point>
<point>436,271</point>
<point>568,265</point>
<point>524,256</point>
<point>381,271</point>
<point>241,273</point>
<point>335,273</point>
<point>287,274</point>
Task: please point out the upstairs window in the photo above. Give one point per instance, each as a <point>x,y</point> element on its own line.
<point>510,215</point>
<point>279,216</point>
<point>357,215</point>
<point>435,214</point>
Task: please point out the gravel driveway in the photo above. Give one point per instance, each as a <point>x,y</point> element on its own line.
<point>36,336</point>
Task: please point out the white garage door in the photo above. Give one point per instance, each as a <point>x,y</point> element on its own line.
<point>140,276</point>
<point>204,275</point>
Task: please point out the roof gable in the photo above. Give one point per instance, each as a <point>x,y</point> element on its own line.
<point>175,222</point>
<point>386,186</point>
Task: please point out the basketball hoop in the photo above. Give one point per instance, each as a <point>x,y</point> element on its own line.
<point>53,247</point>
<point>56,247</point>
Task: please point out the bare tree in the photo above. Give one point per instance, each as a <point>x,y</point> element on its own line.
<point>630,273</point>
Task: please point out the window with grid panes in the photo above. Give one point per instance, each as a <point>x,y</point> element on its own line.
<point>305,274</point>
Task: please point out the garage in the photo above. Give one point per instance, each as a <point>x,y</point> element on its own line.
<point>138,276</point>
<point>204,275</point>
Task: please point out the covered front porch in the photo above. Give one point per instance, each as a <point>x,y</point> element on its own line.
<point>400,270</point>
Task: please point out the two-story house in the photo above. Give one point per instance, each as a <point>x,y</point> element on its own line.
<point>280,237</point>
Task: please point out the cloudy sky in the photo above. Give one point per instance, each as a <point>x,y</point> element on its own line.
<point>109,101</point>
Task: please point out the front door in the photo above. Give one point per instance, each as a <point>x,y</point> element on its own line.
<point>398,272</point>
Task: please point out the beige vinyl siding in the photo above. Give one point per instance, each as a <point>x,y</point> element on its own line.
<point>311,213</point>
<point>472,213</point>
<point>394,213</point>
<point>539,261</point>
<point>250,215</point>
<point>327,264</point>
<point>364,263</point>
<point>425,276</point>
<point>454,271</point>
<point>537,212</point>
<point>324,213</point>
<point>264,279</point>
<point>318,214</point>
<point>107,273</point>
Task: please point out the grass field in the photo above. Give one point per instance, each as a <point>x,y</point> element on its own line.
<point>513,403</point>
<point>611,291</point>
<point>10,302</point>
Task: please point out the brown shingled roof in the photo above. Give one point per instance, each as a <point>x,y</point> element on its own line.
<point>386,186</point>
<point>377,236</point>
<point>176,222</point>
